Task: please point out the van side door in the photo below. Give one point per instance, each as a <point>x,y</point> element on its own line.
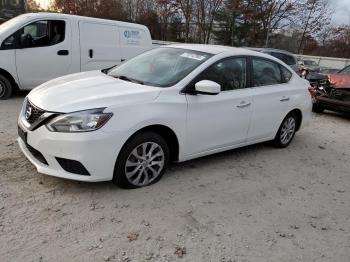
<point>99,46</point>
<point>134,41</point>
<point>43,52</point>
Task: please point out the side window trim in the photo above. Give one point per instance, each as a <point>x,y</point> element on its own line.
<point>187,89</point>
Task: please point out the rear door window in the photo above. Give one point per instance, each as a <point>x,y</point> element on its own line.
<point>266,72</point>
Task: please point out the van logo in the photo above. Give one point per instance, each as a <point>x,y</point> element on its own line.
<point>28,112</point>
<point>132,34</point>
<point>127,34</point>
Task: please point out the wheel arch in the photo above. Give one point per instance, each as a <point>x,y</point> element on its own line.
<point>10,78</point>
<point>167,133</point>
<point>299,114</point>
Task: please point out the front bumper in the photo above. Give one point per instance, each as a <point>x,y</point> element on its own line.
<point>333,104</point>
<point>97,151</point>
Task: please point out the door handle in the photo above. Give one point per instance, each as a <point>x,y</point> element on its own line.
<point>91,53</point>
<point>285,99</point>
<point>63,52</point>
<point>243,104</point>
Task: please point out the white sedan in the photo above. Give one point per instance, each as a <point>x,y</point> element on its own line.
<point>173,103</point>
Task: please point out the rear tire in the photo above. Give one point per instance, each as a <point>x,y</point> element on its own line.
<point>6,88</point>
<point>287,131</point>
<point>317,108</point>
<point>142,161</point>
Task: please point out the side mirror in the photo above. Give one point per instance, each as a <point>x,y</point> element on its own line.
<point>206,87</point>
<point>26,40</point>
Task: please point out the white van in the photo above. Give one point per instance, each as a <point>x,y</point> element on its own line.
<point>35,48</point>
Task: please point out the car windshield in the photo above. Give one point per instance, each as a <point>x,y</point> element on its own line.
<point>310,63</point>
<point>345,71</point>
<point>162,67</point>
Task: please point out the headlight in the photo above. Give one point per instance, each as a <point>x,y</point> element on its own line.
<point>82,121</point>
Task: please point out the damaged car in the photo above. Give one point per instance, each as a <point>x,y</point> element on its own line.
<point>331,91</point>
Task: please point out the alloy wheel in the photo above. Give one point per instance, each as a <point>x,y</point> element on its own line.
<point>144,164</point>
<point>288,130</point>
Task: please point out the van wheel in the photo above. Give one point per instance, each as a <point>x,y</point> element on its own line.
<point>142,161</point>
<point>6,88</point>
<point>287,131</point>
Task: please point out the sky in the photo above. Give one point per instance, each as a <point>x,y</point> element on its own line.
<point>341,8</point>
<point>342,11</point>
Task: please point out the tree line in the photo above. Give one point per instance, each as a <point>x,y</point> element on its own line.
<point>300,26</point>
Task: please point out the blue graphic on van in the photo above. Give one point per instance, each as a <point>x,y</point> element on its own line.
<point>132,34</point>
<point>127,34</point>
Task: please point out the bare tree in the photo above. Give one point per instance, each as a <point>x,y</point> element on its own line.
<point>274,15</point>
<point>186,9</point>
<point>166,9</point>
<point>205,12</point>
<point>313,16</point>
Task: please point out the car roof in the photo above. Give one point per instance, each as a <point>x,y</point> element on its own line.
<point>215,49</point>
<point>271,50</point>
<point>47,15</point>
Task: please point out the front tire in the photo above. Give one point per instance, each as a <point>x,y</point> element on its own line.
<point>287,131</point>
<point>317,108</point>
<point>142,161</point>
<point>6,88</point>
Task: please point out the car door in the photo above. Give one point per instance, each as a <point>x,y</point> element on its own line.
<point>99,45</point>
<point>271,98</point>
<point>44,52</point>
<point>219,121</point>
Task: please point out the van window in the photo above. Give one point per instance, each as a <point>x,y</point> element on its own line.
<point>42,33</point>
<point>9,43</point>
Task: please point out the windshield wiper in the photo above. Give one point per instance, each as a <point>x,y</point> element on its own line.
<point>125,78</point>
<point>106,70</point>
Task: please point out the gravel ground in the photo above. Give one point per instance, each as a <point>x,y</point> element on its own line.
<point>252,204</point>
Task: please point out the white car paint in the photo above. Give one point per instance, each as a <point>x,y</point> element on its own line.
<point>111,42</point>
<point>203,124</point>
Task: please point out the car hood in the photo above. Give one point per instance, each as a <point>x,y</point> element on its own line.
<point>339,80</point>
<point>89,90</point>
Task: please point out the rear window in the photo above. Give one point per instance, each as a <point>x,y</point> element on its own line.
<point>266,72</point>
<point>288,59</point>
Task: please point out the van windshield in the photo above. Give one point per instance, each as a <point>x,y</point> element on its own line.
<point>161,67</point>
<point>10,23</point>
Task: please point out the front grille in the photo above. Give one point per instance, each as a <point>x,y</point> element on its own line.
<point>37,154</point>
<point>32,113</point>
<point>73,166</point>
